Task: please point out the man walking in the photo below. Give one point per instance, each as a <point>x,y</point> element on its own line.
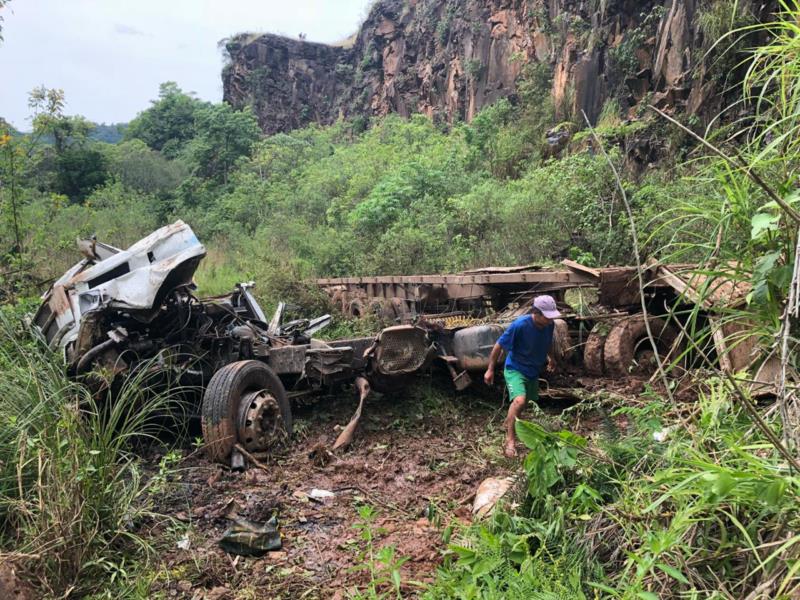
<point>526,342</point>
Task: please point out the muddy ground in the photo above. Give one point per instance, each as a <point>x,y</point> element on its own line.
<point>418,458</point>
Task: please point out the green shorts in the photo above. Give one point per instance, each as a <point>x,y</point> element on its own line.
<point>519,385</point>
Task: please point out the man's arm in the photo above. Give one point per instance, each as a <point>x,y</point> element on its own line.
<point>494,358</point>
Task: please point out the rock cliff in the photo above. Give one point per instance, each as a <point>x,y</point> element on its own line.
<point>449,58</point>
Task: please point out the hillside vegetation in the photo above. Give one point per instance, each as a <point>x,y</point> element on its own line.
<point>689,501</point>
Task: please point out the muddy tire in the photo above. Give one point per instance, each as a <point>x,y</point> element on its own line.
<point>593,352</point>
<point>562,349</point>
<point>629,336</point>
<point>220,408</point>
<point>400,311</point>
<point>337,300</point>
<point>356,309</point>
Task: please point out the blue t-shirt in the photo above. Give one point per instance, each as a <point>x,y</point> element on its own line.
<point>527,346</point>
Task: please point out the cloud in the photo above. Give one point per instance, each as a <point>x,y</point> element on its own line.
<point>126,29</point>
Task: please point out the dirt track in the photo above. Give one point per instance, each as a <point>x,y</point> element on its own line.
<point>418,458</point>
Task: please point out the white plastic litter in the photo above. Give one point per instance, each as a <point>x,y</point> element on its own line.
<point>661,436</point>
<point>320,494</point>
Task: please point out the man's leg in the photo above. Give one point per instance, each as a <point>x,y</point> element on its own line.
<point>514,412</point>
<point>517,391</point>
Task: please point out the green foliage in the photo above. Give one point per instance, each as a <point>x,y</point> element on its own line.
<point>382,564</point>
<point>70,489</point>
<point>140,168</point>
<point>109,134</point>
<point>711,508</point>
<point>3,4</point>
<point>222,135</point>
<point>474,68</point>
<point>169,124</point>
<point>79,172</point>
<point>623,58</point>
<point>444,24</point>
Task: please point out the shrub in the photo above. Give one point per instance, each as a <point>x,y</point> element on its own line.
<point>70,490</point>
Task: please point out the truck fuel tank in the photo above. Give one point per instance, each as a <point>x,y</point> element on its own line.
<point>472,346</point>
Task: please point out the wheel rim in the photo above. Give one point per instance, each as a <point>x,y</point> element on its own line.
<point>260,421</point>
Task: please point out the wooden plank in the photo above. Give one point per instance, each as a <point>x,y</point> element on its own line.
<point>619,287</point>
<point>488,270</point>
<point>576,266</point>
<point>717,292</point>
<point>678,284</point>
<point>736,350</point>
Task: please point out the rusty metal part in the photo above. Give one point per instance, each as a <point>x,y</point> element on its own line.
<point>472,346</point>
<point>356,308</point>
<point>458,321</point>
<point>326,364</point>
<point>87,358</point>
<point>260,425</point>
<point>400,310</point>
<point>401,350</point>
<point>484,279</point>
<point>461,380</point>
<point>345,438</point>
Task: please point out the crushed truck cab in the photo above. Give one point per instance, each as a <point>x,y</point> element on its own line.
<point>135,280</point>
<point>119,311</point>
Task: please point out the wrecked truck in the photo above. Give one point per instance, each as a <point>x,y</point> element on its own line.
<point>118,311</point>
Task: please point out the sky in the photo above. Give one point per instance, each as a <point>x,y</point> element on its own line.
<point>109,56</point>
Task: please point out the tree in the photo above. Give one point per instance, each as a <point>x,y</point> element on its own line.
<point>46,106</point>
<point>139,167</point>
<point>169,123</point>
<point>2,6</point>
<point>80,171</point>
<point>223,135</point>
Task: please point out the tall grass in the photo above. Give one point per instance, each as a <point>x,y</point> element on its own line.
<point>71,491</point>
<point>709,512</point>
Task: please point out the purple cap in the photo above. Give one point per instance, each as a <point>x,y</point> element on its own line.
<point>547,306</point>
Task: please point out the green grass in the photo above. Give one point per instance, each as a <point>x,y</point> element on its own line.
<point>708,513</point>
<point>71,492</point>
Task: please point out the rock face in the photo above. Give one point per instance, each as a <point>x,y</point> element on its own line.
<point>449,58</point>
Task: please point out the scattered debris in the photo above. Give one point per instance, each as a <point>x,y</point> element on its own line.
<point>246,538</point>
<point>117,311</point>
<point>300,495</point>
<point>184,543</point>
<point>490,491</point>
<point>320,495</point>
<point>346,436</point>
<point>320,456</point>
<point>663,434</point>
<point>252,459</point>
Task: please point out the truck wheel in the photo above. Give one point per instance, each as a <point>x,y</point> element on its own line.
<point>401,311</point>
<point>244,402</point>
<point>627,348</point>
<point>593,353</point>
<point>356,309</point>
<point>594,348</point>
